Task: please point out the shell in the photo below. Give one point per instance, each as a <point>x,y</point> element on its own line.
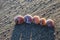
<point>36,19</point>
<point>19,19</point>
<point>43,21</point>
<point>50,23</point>
<point>28,19</point>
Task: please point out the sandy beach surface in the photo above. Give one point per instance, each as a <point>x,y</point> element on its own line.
<point>43,8</point>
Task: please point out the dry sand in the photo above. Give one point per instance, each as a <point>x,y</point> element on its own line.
<point>44,8</point>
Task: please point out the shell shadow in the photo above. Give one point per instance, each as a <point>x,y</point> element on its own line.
<point>32,32</point>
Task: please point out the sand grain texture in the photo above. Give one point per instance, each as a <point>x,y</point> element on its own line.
<point>10,8</point>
